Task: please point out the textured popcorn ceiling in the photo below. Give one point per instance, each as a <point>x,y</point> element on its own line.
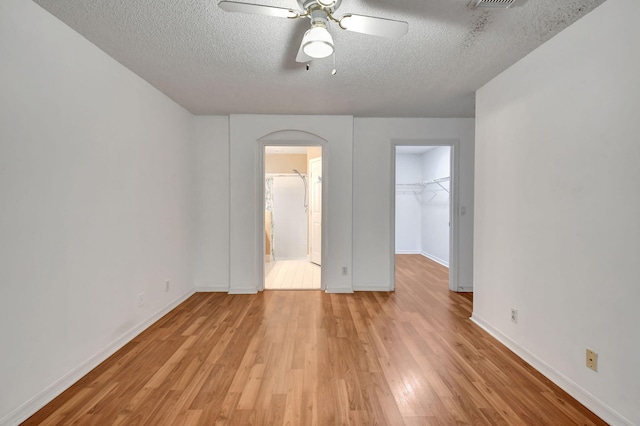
<point>215,62</point>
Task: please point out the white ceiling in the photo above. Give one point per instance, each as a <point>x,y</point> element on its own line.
<point>215,62</point>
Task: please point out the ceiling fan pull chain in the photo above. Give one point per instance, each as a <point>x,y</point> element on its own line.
<point>334,71</point>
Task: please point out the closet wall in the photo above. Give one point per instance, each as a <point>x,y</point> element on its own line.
<point>436,165</point>
<point>422,205</point>
<point>408,203</point>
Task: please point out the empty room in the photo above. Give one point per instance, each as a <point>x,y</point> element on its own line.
<point>305,212</point>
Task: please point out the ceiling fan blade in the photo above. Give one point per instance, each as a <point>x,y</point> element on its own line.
<point>374,26</point>
<point>257,9</point>
<point>302,57</point>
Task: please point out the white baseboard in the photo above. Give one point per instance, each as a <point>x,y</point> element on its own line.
<point>339,290</point>
<point>373,287</point>
<point>605,412</point>
<point>211,289</point>
<point>407,251</point>
<point>465,289</point>
<point>243,291</point>
<point>41,399</point>
<point>435,259</point>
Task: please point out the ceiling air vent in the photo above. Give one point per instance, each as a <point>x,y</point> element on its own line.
<point>492,4</point>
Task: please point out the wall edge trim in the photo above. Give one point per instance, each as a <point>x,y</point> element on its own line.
<point>52,391</point>
<point>252,290</point>
<point>339,290</point>
<point>373,287</point>
<point>211,289</point>
<point>435,259</point>
<point>598,407</point>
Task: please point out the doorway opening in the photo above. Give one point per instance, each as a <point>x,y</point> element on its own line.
<point>292,217</point>
<point>424,221</point>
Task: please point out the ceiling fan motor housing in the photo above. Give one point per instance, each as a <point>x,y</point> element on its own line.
<point>319,18</point>
<point>319,4</point>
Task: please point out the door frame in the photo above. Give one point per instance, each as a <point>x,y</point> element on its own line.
<point>454,203</point>
<point>310,210</point>
<point>260,193</point>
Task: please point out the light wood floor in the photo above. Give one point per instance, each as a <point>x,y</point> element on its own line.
<point>291,275</point>
<point>309,358</point>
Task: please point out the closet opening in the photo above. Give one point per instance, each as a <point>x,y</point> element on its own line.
<point>292,217</point>
<point>424,224</point>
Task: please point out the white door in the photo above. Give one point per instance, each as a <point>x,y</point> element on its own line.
<point>315,210</point>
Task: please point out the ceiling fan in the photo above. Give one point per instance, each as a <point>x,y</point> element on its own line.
<point>317,41</point>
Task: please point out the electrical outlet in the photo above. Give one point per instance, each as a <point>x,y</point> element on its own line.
<point>592,360</point>
<point>514,315</point>
<point>141,300</point>
<point>167,284</point>
<point>345,270</point>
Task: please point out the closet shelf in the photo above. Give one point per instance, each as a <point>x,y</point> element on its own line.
<point>438,182</point>
<point>425,184</point>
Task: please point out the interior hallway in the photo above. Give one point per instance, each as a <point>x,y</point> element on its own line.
<point>281,357</point>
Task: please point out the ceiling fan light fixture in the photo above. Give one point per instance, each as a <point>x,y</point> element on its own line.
<point>317,42</point>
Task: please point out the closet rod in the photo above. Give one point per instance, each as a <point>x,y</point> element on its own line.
<point>425,182</point>
<point>438,182</point>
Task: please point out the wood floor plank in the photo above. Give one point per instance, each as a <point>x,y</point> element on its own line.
<point>409,357</point>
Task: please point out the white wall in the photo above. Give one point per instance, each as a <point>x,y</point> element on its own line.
<point>211,265</point>
<point>96,194</point>
<point>557,200</point>
<point>434,229</point>
<point>371,263</point>
<point>408,206</point>
<point>372,149</point>
<point>246,206</point>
